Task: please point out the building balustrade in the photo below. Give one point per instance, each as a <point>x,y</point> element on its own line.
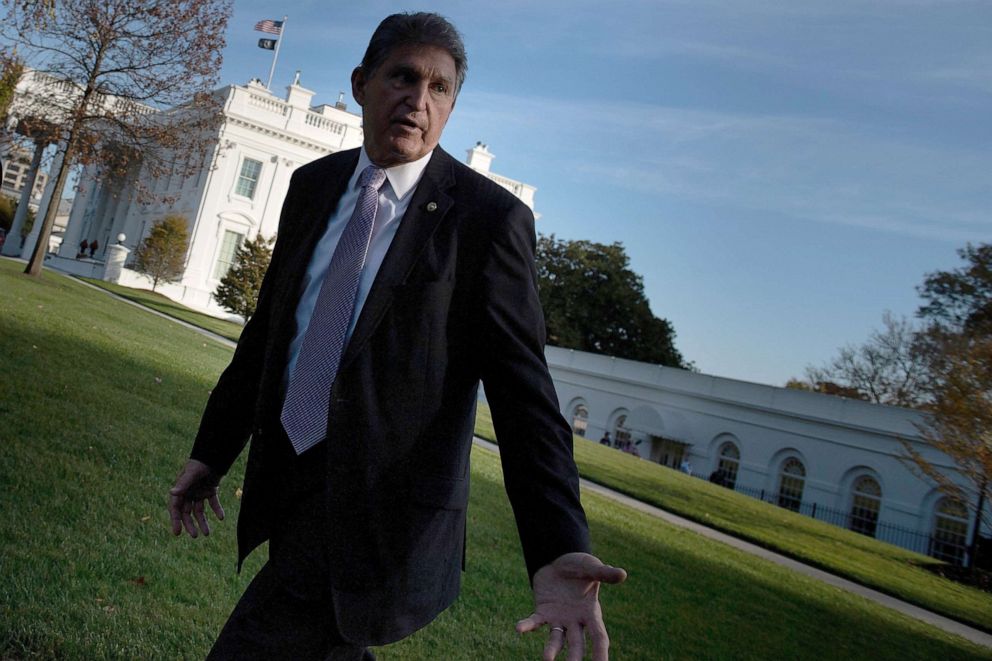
<point>318,121</point>
<point>267,103</point>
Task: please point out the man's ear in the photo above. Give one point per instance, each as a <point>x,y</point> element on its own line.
<point>358,85</point>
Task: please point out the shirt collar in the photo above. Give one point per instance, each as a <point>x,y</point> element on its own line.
<point>402,178</point>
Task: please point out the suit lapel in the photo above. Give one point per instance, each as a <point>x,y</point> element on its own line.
<point>429,206</point>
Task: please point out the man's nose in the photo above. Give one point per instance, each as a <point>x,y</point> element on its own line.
<point>417,98</point>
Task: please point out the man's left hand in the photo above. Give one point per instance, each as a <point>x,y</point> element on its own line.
<point>566,597</point>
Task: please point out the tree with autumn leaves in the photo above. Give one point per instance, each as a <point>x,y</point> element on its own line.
<point>959,424</point>
<point>120,84</point>
<point>942,366</point>
<point>956,347</point>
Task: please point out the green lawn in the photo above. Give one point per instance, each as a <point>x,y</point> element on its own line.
<point>98,405</point>
<point>229,329</point>
<point>884,567</point>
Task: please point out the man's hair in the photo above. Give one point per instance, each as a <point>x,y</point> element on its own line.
<point>419,28</point>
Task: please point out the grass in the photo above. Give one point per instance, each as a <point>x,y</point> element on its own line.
<point>229,329</point>
<point>884,567</point>
<point>98,406</point>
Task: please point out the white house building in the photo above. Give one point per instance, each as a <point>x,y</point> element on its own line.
<point>238,192</point>
<point>833,458</point>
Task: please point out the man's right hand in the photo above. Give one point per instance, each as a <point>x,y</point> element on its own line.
<point>195,483</point>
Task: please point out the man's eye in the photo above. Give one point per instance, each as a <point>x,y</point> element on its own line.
<point>440,88</point>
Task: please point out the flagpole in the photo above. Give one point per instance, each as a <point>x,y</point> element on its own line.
<point>275,56</point>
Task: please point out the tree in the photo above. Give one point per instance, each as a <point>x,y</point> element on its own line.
<point>123,83</point>
<point>826,388</point>
<point>162,254</point>
<point>960,300</point>
<point>959,424</point>
<point>8,208</point>
<point>593,302</point>
<point>887,369</point>
<point>238,290</point>
<point>11,69</point>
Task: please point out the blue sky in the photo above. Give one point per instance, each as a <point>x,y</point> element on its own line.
<point>780,173</point>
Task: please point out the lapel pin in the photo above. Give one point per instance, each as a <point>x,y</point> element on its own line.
<point>432,206</point>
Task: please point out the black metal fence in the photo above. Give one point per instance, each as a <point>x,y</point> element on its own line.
<point>950,549</point>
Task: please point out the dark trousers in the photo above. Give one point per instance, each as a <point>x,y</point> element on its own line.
<point>287,612</point>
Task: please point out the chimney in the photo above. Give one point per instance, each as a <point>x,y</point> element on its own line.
<point>340,104</point>
<point>297,95</point>
<point>479,157</point>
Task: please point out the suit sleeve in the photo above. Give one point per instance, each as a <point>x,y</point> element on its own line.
<point>229,415</point>
<point>535,441</point>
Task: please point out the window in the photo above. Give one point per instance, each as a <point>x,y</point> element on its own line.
<point>225,257</point>
<point>580,418</point>
<point>730,461</point>
<point>621,435</point>
<point>248,179</point>
<point>950,531</point>
<point>792,479</point>
<point>866,500</point>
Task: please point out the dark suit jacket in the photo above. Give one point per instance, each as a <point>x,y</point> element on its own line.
<point>455,301</point>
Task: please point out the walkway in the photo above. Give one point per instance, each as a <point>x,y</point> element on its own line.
<point>939,621</point>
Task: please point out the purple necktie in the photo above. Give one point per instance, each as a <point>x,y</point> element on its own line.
<point>305,410</point>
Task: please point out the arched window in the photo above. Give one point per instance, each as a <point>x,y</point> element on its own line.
<point>730,461</point>
<point>580,419</point>
<point>866,501</point>
<point>950,531</point>
<point>791,481</point>
<point>621,435</point>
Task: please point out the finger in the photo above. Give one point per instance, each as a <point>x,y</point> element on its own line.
<point>174,516</point>
<point>530,623</point>
<point>600,641</point>
<point>576,642</point>
<point>214,501</point>
<point>201,518</point>
<point>556,640</point>
<point>188,521</point>
<point>608,574</point>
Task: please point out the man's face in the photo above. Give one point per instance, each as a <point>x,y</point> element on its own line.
<point>405,103</point>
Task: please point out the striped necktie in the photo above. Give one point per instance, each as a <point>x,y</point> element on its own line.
<point>305,410</point>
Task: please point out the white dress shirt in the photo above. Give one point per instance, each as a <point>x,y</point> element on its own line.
<point>394,198</point>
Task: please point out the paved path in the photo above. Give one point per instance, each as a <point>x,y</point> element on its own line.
<point>947,624</point>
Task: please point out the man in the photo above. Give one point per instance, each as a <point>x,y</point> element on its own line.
<point>357,384</point>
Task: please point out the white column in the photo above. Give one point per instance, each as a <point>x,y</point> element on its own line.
<point>12,247</point>
<point>80,206</point>
<point>46,199</point>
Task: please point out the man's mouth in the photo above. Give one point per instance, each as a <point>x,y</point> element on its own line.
<point>406,123</point>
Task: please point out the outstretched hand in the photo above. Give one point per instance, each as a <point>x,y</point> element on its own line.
<point>195,484</point>
<point>566,597</point>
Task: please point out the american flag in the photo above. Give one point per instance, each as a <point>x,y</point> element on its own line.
<point>270,26</point>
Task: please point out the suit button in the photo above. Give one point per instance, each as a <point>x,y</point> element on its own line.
<point>432,206</point>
